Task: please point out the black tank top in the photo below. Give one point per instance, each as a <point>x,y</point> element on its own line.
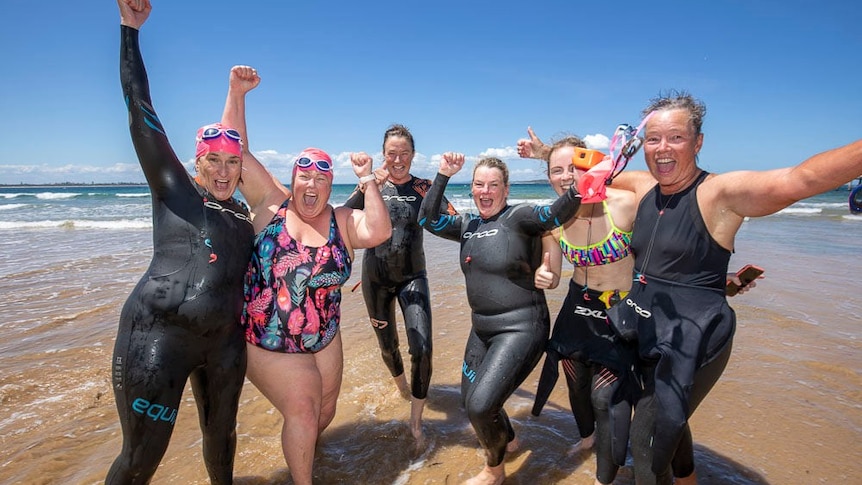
<point>671,242</point>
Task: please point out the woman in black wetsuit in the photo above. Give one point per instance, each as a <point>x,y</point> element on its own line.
<point>182,319</point>
<point>500,251</point>
<point>395,270</point>
<point>677,313</point>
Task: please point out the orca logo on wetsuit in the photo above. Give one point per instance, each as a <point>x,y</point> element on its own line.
<point>579,310</point>
<point>400,198</point>
<point>481,234</point>
<point>640,311</point>
<point>218,207</point>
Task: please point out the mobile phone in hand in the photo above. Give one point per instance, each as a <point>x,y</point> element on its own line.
<point>746,275</point>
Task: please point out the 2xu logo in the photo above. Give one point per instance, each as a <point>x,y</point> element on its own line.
<point>156,412</point>
<point>480,234</point>
<point>579,310</point>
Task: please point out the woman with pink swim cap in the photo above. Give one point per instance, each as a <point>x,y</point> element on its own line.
<point>302,256</point>
<point>182,320</point>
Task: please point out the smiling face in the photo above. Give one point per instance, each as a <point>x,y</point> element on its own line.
<point>398,152</point>
<point>218,173</point>
<point>490,191</point>
<point>671,145</point>
<point>311,191</point>
<point>562,173</point>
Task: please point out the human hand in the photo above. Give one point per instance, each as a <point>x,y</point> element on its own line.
<point>133,13</point>
<point>532,147</point>
<point>742,288</point>
<point>381,173</point>
<point>362,163</point>
<point>243,79</point>
<point>544,277</point>
<point>451,163</point>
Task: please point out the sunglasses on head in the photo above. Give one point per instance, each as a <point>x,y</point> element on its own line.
<point>211,133</point>
<point>321,165</point>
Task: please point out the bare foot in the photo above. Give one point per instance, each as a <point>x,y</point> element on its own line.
<point>403,388</point>
<point>585,444</point>
<point>689,480</point>
<point>490,475</point>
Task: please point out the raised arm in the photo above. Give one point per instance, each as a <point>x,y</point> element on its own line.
<point>160,164</point>
<point>257,185</point>
<point>371,226</point>
<point>432,215</point>
<point>533,147</point>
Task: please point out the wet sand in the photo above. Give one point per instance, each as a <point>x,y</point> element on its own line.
<point>786,411</point>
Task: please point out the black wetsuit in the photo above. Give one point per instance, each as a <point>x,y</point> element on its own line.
<point>678,316</point>
<point>510,316</point>
<point>182,318</point>
<point>396,269</point>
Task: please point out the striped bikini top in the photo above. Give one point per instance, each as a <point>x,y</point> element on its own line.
<point>616,246</point>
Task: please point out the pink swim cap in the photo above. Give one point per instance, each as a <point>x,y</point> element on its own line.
<point>217,138</point>
<point>313,159</point>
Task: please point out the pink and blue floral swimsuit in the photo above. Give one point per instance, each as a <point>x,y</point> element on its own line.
<point>293,292</point>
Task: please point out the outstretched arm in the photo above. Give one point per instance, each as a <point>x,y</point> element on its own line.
<point>753,194</point>
<point>371,226</point>
<point>258,185</point>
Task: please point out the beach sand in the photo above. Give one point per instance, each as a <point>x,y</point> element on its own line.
<point>786,411</point>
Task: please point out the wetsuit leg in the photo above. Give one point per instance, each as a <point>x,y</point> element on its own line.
<point>501,352</point>
<point>579,377</point>
<point>416,307</point>
<point>604,385</point>
<point>380,303</point>
<point>217,387</point>
<point>643,423</point>
<point>151,365</point>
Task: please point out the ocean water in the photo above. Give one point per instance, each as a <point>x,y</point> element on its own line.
<point>788,409</point>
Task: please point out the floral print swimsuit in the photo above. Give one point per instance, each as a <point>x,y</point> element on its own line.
<point>292,291</point>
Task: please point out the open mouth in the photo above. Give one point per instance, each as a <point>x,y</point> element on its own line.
<point>665,166</point>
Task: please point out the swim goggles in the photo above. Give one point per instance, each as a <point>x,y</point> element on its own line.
<point>321,165</point>
<point>212,132</point>
<point>627,140</point>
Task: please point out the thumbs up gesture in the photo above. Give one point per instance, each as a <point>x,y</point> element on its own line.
<point>545,278</point>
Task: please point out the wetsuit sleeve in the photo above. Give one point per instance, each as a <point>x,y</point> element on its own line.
<point>356,200</point>
<point>160,164</point>
<point>547,217</point>
<point>433,215</point>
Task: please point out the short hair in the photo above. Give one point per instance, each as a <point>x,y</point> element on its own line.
<point>397,129</point>
<point>675,99</point>
<point>493,162</point>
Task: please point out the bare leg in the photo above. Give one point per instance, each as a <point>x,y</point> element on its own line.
<point>689,480</point>
<point>490,475</point>
<point>417,406</point>
<point>403,388</point>
<point>513,446</point>
<point>304,389</point>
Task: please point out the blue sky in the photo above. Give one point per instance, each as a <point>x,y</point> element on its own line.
<point>781,80</point>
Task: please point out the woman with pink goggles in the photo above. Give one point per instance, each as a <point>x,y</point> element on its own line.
<point>303,254</point>
<point>181,321</point>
